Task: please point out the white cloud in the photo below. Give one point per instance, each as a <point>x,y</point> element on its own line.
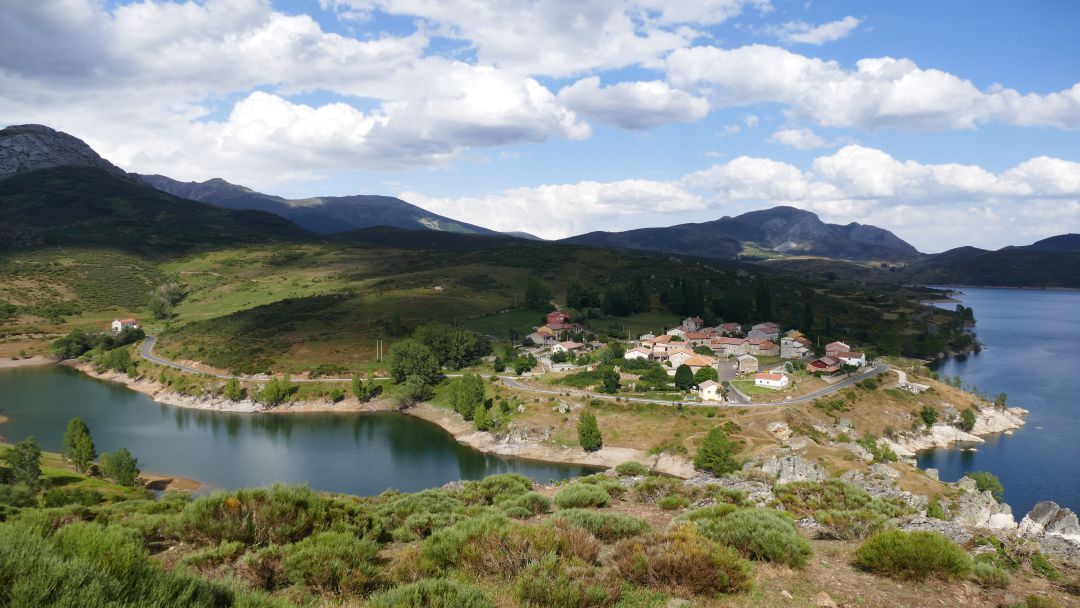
<point>806,33</point>
<point>632,105</point>
<point>751,120</point>
<point>800,139</point>
<point>882,92</point>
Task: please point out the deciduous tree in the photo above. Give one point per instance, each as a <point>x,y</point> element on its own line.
<point>24,458</point>
<point>121,466</point>
<point>78,445</point>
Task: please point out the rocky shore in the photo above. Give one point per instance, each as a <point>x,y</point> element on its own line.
<point>35,361</point>
<point>988,421</point>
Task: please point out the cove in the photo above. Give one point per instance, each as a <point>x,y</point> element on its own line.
<point>1030,340</point>
<point>362,454</point>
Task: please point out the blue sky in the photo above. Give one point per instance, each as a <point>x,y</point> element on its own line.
<point>559,117</point>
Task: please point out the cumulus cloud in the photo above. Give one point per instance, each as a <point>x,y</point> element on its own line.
<point>632,105</point>
<point>881,92</point>
<point>805,33</point>
<point>800,139</point>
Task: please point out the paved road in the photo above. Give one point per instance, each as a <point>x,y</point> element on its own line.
<point>146,350</point>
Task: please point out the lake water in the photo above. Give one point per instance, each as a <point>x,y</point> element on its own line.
<point>1031,352</point>
<point>361,454</point>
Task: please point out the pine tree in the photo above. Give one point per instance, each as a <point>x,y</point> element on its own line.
<point>589,432</point>
<point>684,377</point>
<point>78,445</point>
<point>717,454</point>
<point>481,417</point>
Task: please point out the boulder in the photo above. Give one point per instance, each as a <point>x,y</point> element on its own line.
<point>981,510</point>
<point>1048,517</point>
<point>780,430</point>
<point>859,451</point>
<point>879,481</point>
<point>933,474</point>
<point>952,530</point>
<point>787,469</point>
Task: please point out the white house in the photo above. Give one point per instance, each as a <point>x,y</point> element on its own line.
<point>833,349</point>
<point>856,359</point>
<point>644,337</point>
<point>679,356</point>
<point>566,347</point>
<point>677,331</point>
<point>791,348</point>
<point>710,391</point>
<point>119,325</point>
<point>773,381</point>
<point>637,353</point>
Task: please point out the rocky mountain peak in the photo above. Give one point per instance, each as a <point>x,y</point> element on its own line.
<point>26,148</point>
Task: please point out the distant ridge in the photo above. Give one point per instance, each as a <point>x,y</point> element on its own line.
<point>26,148</point>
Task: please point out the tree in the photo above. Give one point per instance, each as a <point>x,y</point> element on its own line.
<point>233,390</point>
<point>985,481</point>
<point>1001,400</point>
<point>78,445</point>
<point>412,358</point>
<point>609,381</point>
<point>763,302</point>
<point>579,296</point>
<point>967,420</point>
<point>524,363</point>
<point>684,377</point>
<point>121,466</point>
<point>588,432</point>
<point>364,392</point>
<point>453,348</point>
<point>465,393</point>
<point>929,415</point>
<point>537,295</point>
<point>481,418</point>
<point>706,373</point>
<point>412,390</point>
<point>735,306</point>
<point>164,297</point>
<point>717,454</point>
<point>276,391</point>
<point>117,359</point>
<point>24,458</point>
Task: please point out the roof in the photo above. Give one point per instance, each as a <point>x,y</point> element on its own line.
<point>639,349</point>
<point>568,345</point>
<point>696,335</point>
<point>732,341</point>
<point>731,326</point>
<point>762,342</point>
<point>126,320</point>
<point>851,355</point>
<point>699,361</point>
<point>661,339</point>
<point>837,343</point>
<point>768,376</point>
<point>708,384</point>
<point>744,357</point>
<point>825,361</point>
<point>680,349</point>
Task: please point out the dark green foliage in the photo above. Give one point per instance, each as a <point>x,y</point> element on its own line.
<point>233,390</point>
<point>589,432</point>
<point>935,510</point>
<point>622,299</point>
<point>582,495</point>
<point>549,584</point>
<point>881,453</point>
<point>913,556</point>
<point>682,561</point>
<point>986,481</point>
<point>967,420</point>
<point>259,516</point>
<point>609,381</point>
<point>117,360</point>
<point>760,534</point>
<point>673,502</point>
<point>763,302</point>
<point>466,393</point>
<point>580,297</point>
<point>78,342</point>
<point>453,348</point>
<point>606,526</point>
<point>524,363</point>
<point>929,414</point>
<point>412,390</point>
<point>684,377</point>
<point>537,295</point>
<point>277,391</point>
<point>631,469</point>
<point>1044,568</point>
<point>410,357</point>
<point>717,454</point>
<point>432,593</point>
<point>164,297</point>
<point>332,563</point>
<point>527,505</point>
<point>364,392</point>
<point>78,445</point>
<point>121,466</point>
<point>60,497</point>
<point>704,374</point>
<point>844,510</point>
<point>24,459</point>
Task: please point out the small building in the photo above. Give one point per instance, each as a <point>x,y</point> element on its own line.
<point>731,329</point>
<point>566,347</point>
<point>677,331</point>
<point>848,358</point>
<point>119,325</point>
<point>539,338</point>
<point>679,356</point>
<point>748,364</point>
<point>557,318</point>
<point>791,348</point>
<point>698,362</point>
<point>644,337</point>
<point>710,391</point>
<point>824,365</point>
<point>763,348</point>
<point>697,338</point>
<point>773,381</point>
<point>691,324</point>
<point>731,346</point>
<point>769,331</point>
<point>637,353</point>
<point>833,349</point>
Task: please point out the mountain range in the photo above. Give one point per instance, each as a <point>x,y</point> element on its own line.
<point>55,189</point>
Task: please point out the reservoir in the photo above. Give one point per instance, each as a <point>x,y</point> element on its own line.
<point>360,454</point>
<point>1031,352</point>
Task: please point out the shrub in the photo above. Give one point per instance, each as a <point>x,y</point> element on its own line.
<point>259,516</point>
<point>673,502</point>
<point>929,415</point>
<point>264,568</point>
<point>496,488</point>
<point>652,489</point>
<point>613,487</point>
<point>57,497</point>
<point>989,575</point>
<point>548,584</point>
<point>213,556</point>
<point>332,562</point>
<point>1038,601</point>
<point>716,511</point>
<point>589,432</point>
<point>934,510</point>
<point>681,560</point>
<point>121,466</point>
<point>631,469</point>
<point>717,454</point>
<point>432,593</point>
<point>912,555</point>
<point>985,481</point>
<point>967,420</point>
<point>844,509</point>
<point>605,526</point>
<point>527,505</point>
<point>1044,568</point>
<point>582,495</point>
<point>761,534</point>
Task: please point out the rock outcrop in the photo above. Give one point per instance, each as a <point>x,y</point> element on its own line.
<point>787,469</point>
<point>879,481</point>
<point>1049,518</point>
<point>26,148</point>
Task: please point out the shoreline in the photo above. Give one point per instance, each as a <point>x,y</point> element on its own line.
<point>521,443</point>
<point>35,361</point>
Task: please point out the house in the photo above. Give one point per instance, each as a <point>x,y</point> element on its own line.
<point>539,338</point>
<point>848,358</point>
<point>678,356</point>
<point>710,391</point>
<point>791,348</point>
<point>644,337</point>
<point>119,325</point>
<point>692,323</point>
<point>699,361</point>
<point>566,347</point>
<point>697,338</point>
<point>832,349</point>
<point>557,318</point>
<point>763,348</point>
<point>770,331</point>
<point>748,364</point>
<point>655,340</point>
<point>773,381</point>
<point>637,353</point>
<point>677,331</point>
<point>731,329</point>
<point>731,346</point>
<point>824,365</point>
<point>794,334</point>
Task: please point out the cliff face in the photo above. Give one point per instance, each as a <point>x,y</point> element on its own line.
<point>25,148</point>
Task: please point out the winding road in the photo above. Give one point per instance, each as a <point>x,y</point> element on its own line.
<point>146,351</point>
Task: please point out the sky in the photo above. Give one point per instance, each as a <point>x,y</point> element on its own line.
<point>949,123</point>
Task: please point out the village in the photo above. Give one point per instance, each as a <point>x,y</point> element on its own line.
<point>727,363</point>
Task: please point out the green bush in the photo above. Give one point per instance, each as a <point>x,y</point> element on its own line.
<point>530,504</point>
<point>1044,568</point>
<point>259,516</point>
<point>673,502</point>
<point>985,481</point>
<point>496,488</point>
<point>332,563</point>
<point>582,495</point>
<point>589,432</point>
<point>760,534</point>
<point>631,469</point>
<point>652,489</point>
<point>716,511</point>
<point>1038,601</point>
<point>58,497</point>
<point>717,454</point>
<point>845,510</point>
<point>605,526</point>
<point>912,555</point>
<point>551,585</point>
<point>613,487</point>
<point>213,556</point>
<point>682,561</point>
<point>989,575</point>
<point>432,593</point>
